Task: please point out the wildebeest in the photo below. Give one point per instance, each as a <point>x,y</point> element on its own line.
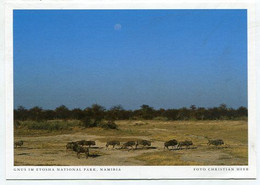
<point>87,143</point>
<point>184,143</point>
<point>18,143</point>
<point>80,149</point>
<point>81,142</point>
<point>70,145</point>
<point>172,143</point>
<point>143,143</point>
<point>113,143</point>
<point>215,142</point>
<point>129,143</point>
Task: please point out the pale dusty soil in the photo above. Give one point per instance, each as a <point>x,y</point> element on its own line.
<point>50,150</point>
<point>35,152</point>
<point>207,157</point>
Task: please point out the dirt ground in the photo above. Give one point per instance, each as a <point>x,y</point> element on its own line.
<point>50,149</point>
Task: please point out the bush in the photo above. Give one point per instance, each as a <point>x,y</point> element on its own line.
<point>87,122</point>
<point>109,125</point>
<point>161,118</point>
<point>17,124</point>
<point>49,125</point>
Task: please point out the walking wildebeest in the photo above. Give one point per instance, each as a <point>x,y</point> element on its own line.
<point>184,143</point>
<point>18,143</point>
<point>80,149</point>
<point>70,145</point>
<point>82,142</point>
<point>87,143</point>
<point>143,143</point>
<point>172,143</point>
<point>129,143</point>
<point>113,143</point>
<point>215,142</point>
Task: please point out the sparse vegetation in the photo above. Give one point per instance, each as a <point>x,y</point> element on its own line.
<point>87,122</point>
<point>52,125</point>
<point>41,147</point>
<point>109,125</point>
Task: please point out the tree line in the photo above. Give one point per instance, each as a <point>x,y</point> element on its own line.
<point>97,113</point>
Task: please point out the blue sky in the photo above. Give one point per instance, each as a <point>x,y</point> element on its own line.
<point>163,58</point>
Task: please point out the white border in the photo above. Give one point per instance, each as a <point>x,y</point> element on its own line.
<point>131,172</point>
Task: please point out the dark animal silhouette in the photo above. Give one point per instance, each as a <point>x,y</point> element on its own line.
<point>129,144</point>
<point>70,145</point>
<point>80,149</point>
<point>185,143</point>
<point>172,143</point>
<point>113,143</point>
<point>87,143</point>
<point>90,143</point>
<point>18,143</point>
<point>82,142</point>
<point>143,143</point>
<point>215,142</point>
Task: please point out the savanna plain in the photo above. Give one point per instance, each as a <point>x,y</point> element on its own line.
<point>48,148</point>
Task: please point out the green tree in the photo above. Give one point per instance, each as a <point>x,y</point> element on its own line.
<point>36,113</point>
<point>21,113</point>
<point>147,112</point>
<point>184,114</point>
<point>193,109</point>
<point>200,113</point>
<point>87,122</point>
<point>77,114</point>
<point>242,111</point>
<point>115,113</point>
<point>97,112</point>
<point>62,112</point>
<point>48,114</point>
<point>223,111</point>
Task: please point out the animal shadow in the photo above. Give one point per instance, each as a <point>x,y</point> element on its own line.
<point>94,155</point>
<point>146,148</point>
<point>183,148</point>
<point>24,154</point>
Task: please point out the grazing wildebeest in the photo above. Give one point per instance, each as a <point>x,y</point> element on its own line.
<point>82,142</point>
<point>18,143</point>
<point>70,145</point>
<point>129,143</point>
<point>184,143</point>
<point>113,143</point>
<point>172,143</point>
<point>87,143</point>
<point>143,143</point>
<point>215,142</point>
<point>80,149</point>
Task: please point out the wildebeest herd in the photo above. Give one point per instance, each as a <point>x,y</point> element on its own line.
<point>78,146</point>
<point>84,146</point>
<point>175,143</point>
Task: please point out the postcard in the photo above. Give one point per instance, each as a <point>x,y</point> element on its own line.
<point>130,90</point>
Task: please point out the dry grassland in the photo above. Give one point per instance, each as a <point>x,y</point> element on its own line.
<point>48,147</point>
